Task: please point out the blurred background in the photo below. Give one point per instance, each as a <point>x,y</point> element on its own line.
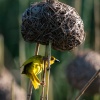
<point>14,50</point>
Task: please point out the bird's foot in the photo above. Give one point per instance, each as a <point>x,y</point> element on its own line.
<point>43,83</point>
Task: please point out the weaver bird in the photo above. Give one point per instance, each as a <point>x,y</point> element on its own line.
<point>35,65</point>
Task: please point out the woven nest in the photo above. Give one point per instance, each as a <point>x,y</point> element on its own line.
<point>82,68</point>
<point>56,22</point>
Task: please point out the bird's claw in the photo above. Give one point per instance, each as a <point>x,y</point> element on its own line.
<point>48,68</point>
<point>43,83</point>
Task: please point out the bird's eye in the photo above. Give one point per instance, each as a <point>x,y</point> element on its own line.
<point>52,58</point>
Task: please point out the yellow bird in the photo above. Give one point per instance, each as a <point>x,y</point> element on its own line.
<point>33,66</point>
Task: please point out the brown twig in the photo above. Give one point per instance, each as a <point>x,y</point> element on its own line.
<point>87,85</point>
<point>44,73</point>
<point>30,84</point>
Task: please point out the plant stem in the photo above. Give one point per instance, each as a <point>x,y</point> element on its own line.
<point>12,90</point>
<point>1,53</point>
<point>30,87</point>
<point>44,73</point>
<point>88,84</point>
<point>48,71</point>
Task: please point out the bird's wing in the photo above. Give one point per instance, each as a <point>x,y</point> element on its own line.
<point>33,59</point>
<point>30,60</point>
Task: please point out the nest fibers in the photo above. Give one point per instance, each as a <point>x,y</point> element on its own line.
<point>56,22</point>
<point>82,68</point>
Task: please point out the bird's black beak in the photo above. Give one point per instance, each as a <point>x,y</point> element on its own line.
<point>57,60</point>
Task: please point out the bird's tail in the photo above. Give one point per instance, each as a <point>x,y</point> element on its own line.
<point>35,81</point>
<point>35,84</point>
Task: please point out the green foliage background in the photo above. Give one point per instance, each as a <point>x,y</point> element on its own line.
<point>17,50</point>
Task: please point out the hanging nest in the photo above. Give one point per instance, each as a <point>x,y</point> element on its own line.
<point>53,21</point>
<point>82,68</point>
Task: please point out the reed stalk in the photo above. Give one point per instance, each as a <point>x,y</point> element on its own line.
<point>30,87</point>
<point>87,85</point>
<point>48,71</point>
<point>44,73</point>
<point>1,53</point>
